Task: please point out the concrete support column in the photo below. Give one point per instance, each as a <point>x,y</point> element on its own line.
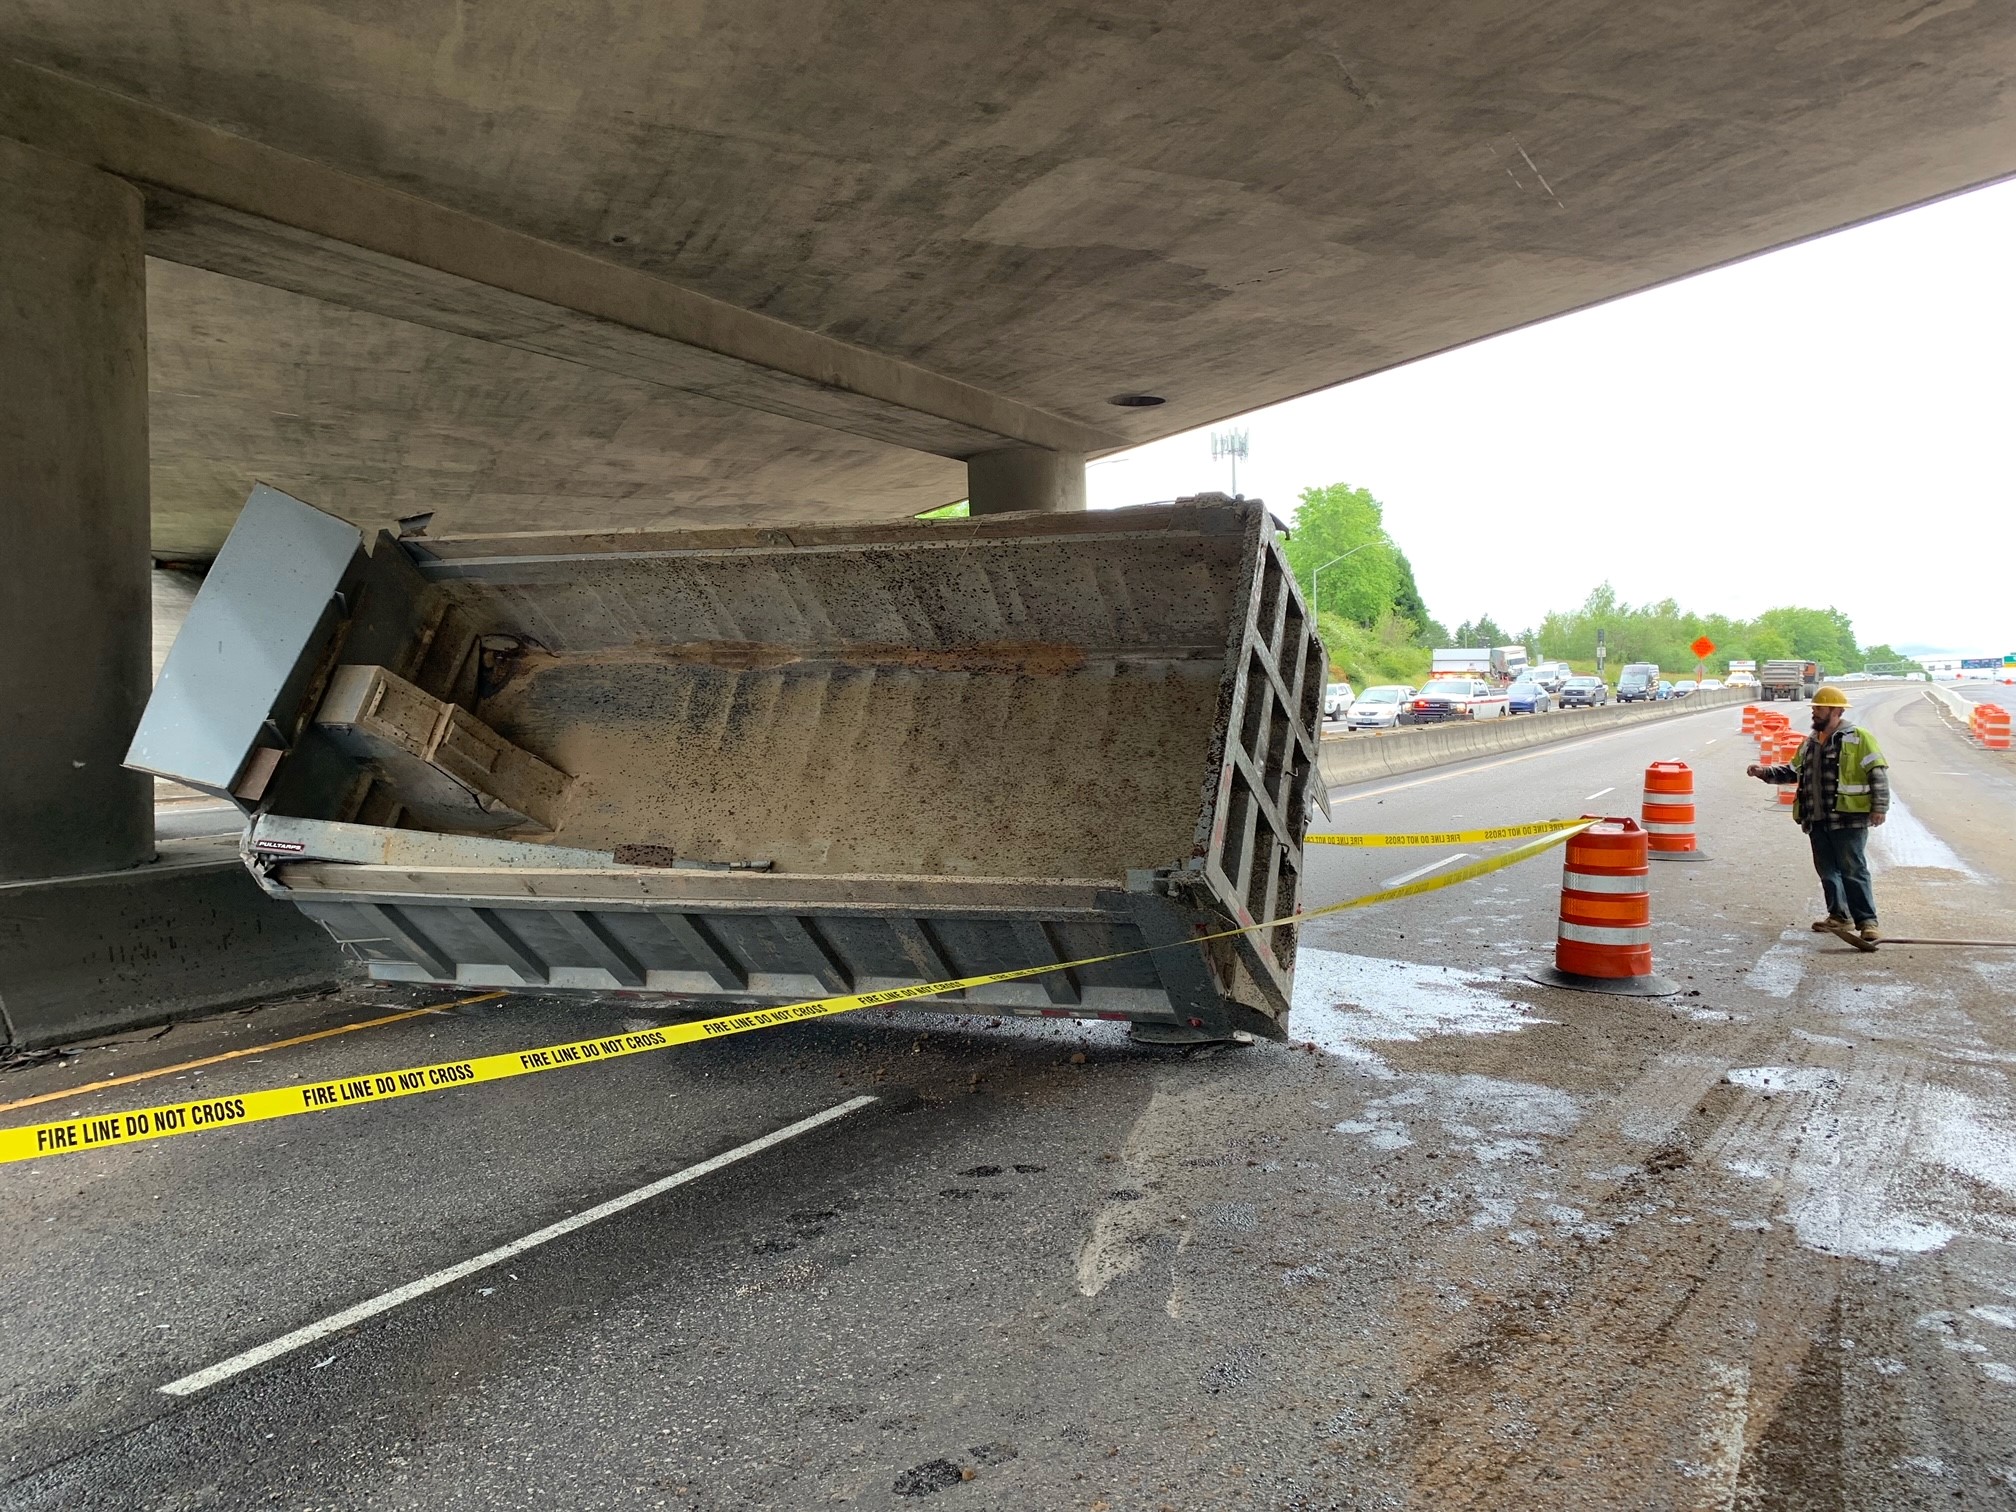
<point>1025,478</point>
<point>74,612</point>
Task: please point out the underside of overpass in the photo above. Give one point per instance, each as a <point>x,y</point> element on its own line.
<point>535,267</point>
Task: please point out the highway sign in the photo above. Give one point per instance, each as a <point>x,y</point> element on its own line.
<point>1703,648</point>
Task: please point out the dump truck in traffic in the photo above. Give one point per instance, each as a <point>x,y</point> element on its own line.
<point>1788,678</point>
<point>750,766</point>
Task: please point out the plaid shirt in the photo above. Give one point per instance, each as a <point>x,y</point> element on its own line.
<point>1819,780</point>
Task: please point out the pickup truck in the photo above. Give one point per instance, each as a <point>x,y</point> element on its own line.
<point>1457,698</point>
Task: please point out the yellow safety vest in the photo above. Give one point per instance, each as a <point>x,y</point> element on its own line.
<point>1859,756</point>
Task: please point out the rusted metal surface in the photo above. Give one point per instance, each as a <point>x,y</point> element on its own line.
<point>955,746</point>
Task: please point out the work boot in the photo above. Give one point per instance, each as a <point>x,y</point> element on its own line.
<point>1870,933</point>
<point>1842,930</point>
<point>1829,924</point>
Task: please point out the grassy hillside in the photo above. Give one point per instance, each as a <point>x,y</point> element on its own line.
<point>1367,655</point>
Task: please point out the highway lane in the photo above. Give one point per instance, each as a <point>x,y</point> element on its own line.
<point>191,819</point>
<point>1469,1242</point>
<point>1983,690</point>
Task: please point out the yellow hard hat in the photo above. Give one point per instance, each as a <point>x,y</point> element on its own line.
<point>1830,697</point>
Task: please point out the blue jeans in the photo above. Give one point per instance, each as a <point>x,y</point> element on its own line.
<point>1841,858</point>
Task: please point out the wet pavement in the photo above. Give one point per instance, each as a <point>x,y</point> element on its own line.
<point>1467,1241</point>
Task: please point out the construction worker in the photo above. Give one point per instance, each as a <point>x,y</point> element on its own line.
<point>1844,788</point>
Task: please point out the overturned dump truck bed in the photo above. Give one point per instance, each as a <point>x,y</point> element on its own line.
<point>763,765</point>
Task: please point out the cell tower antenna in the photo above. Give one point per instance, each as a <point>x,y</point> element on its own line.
<point>1230,446</point>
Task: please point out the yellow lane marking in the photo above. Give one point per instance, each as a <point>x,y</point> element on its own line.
<point>211,1060</point>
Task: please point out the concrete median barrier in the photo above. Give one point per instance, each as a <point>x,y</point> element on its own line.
<point>1389,753</point>
<point>189,934</point>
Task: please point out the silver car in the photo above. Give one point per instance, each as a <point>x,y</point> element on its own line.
<point>1379,708</point>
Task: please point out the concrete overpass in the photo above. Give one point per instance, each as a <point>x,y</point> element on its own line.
<point>528,266</point>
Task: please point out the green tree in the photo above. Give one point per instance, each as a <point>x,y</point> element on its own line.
<point>1822,635</point>
<point>1342,531</point>
<point>1766,644</point>
<point>1407,597</point>
<point>1890,661</point>
<point>1485,633</point>
<point>1664,633</point>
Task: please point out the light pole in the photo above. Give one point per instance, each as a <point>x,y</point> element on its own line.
<point>1316,577</point>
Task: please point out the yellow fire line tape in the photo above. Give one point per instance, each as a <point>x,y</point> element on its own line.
<point>225,1055</point>
<point>101,1131</point>
<point>1450,837</point>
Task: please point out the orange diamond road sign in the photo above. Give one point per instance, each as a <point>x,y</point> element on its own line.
<point>1702,647</point>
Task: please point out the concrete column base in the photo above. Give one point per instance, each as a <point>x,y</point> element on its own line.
<point>1025,478</point>
<point>191,933</point>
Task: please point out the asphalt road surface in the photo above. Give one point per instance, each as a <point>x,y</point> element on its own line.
<point>1979,690</point>
<point>1468,1242</point>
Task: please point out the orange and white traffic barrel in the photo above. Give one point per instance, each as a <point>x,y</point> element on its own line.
<point>1603,941</point>
<point>1783,751</point>
<point>1750,713</point>
<point>1991,726</point>
<point>1668,812</point>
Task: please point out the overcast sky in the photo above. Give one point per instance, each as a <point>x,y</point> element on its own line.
<point>1692,441</point>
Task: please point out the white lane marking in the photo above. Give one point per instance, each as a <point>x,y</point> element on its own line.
<point>1578,743</point>
<point>1711,742</point>
<point>1422,871</point>
<point>1781,968</point>
<point>1598,794</point>
<point>1728,1414</point>
<point>223,1370</point>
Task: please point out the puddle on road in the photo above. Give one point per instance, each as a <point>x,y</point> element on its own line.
<point>1344,1003</point>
